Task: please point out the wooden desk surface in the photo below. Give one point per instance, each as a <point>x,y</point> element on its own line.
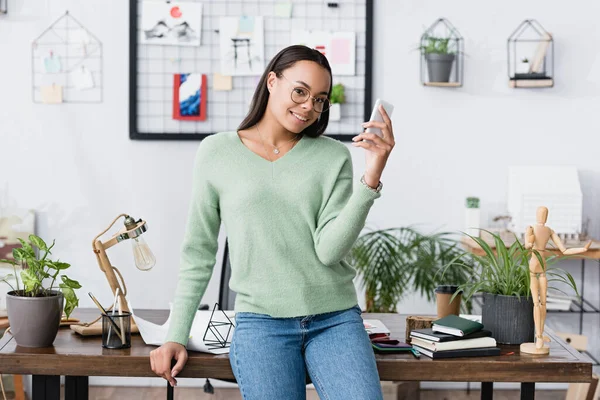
<point>75,355</point>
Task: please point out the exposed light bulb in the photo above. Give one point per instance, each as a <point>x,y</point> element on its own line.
<point>142,255</point>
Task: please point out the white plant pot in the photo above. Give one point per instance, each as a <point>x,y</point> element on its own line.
<point>522,68</point>
<point>472,221</point>
<point>335,112</point>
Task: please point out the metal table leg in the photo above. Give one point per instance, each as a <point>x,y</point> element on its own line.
<point>170,394</point>
<point>76,387</point>
<point>527,391</point>
<point>45,387</point>
<point>487,390</point>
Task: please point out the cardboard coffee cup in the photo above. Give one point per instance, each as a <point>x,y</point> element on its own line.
<point>443,294</point>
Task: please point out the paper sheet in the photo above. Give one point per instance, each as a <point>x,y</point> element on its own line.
<point>155,334</point>
<point>52,94</point>
<point>82,78</point>
<point>375,326</point>
<point>283,9</point>
<point>222,82</point>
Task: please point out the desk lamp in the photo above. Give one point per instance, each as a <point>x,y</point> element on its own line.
<point>143,257</point>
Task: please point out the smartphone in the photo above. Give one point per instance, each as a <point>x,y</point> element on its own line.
<point>376,115</point>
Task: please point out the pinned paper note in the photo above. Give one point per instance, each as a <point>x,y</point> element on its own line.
<point>222,82</point>
<point>79,36</point>
<point>283,9</point>
<point>52,94</point>
<point>338,47</point>
<point>82,78</point>
<point>51,63</point>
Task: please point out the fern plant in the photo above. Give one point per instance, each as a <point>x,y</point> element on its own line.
<point>396,261</point>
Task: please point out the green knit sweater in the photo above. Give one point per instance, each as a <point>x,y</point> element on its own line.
<point>289,224</point>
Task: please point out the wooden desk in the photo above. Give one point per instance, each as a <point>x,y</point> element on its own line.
<point>79,357</point>
<point>584,306</point>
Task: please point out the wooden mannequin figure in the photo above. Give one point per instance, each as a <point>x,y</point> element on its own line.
<point>536,238</point>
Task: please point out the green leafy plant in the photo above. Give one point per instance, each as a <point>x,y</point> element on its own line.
<point>395,261</point>
<point>525,60</point>
<point>338,95</point>
<point>472,202</point>
<point>504,271</point>
<point>38,270</point>
<point>437,45</point>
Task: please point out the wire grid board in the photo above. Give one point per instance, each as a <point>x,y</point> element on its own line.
<point>152,67</point>
<point>77,49</point>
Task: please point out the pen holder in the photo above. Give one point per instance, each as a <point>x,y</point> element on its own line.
<point>116,331</point>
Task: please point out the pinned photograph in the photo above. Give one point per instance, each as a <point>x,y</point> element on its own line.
<point>171,23</point>
<point>242,46</point>
<point>338,47</point>
<point>189,97</point>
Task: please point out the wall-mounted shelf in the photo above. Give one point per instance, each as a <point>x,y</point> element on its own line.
<point>530,55</point>
<point>443,84</point>
<point>442,55</point>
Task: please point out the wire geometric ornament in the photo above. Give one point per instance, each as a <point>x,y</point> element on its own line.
<point>66,64</point>
<point>218,330</point>
<point>442,55</point>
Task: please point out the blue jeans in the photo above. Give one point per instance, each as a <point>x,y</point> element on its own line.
<point>272,357</point>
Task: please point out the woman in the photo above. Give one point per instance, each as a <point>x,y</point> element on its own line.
<point>292,211</point>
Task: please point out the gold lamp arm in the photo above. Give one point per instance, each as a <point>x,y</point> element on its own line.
<point>106,267</point>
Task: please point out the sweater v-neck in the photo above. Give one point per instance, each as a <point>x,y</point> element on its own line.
<point>291,156</point>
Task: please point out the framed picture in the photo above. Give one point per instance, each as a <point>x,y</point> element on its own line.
<point>189,97</point>
<point>171,23</point>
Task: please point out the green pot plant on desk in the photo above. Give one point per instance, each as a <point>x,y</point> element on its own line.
<point>35,310</point>
<point>500,276</point>
<point>396,261</point>
<point>338,97</point>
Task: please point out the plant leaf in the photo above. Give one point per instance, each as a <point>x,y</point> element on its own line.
<point>38,242</point>
<point>71,300</point>
<point>70,282</point>
<point>57,265</point>
<point>30,280</point>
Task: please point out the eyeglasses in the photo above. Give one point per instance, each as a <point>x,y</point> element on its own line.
<point>300,95</point>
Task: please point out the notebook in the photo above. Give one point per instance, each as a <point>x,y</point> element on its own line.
<point>430,335</point>
<point>455,344</point>
<point>486,351</point>
<point>455,325</point>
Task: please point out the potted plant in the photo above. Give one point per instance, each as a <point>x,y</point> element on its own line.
<point>501,275</point>
<point>338,97</point>
<point>395,261</point>
<point>472,216</point>
<point>35,311</point>
<point>439,56</point>
<point>523,66</point>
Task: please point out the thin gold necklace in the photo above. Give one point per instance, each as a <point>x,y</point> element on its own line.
<point>276,149</point>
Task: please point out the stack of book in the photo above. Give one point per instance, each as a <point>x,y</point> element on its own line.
<point>453,336</point>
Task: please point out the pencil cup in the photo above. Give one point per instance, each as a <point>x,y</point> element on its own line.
<point>116,331</point>
<point>443,294</point>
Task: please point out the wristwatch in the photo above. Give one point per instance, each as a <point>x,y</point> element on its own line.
<point>376,190</point>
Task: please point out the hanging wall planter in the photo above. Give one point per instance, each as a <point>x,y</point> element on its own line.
<point>442,55</point>
<point>530,56</point>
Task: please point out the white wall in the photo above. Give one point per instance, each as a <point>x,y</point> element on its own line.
<point>76,165</point>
